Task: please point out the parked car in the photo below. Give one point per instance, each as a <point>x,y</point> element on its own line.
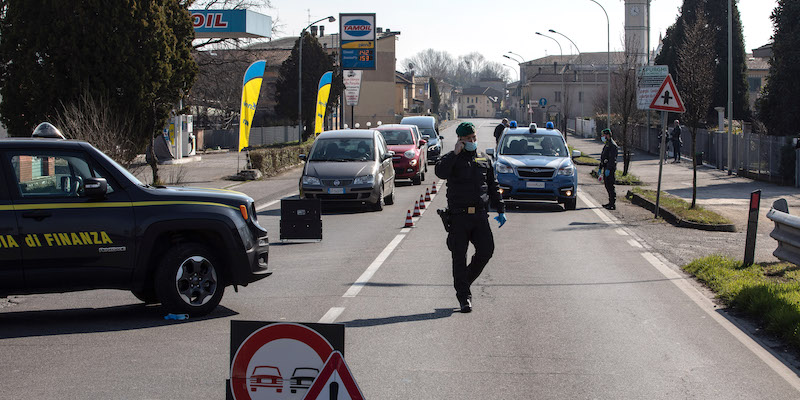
<point>534,164</point>
<point>266,377</point>
<point>428,126</point>
<point>409,151</point>
<point>349,166</point>
<point>74,219</point>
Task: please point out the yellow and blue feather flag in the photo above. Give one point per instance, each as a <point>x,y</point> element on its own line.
<point>251,87</point>
<point>323,93</point>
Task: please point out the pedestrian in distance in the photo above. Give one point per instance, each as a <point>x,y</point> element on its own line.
<point>498,130</point>
<point>608,168</point>
<point>471,188</point>
<point>676,141</point>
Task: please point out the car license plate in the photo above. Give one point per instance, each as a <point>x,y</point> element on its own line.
<point>336,190</point>
<point>534,185</point>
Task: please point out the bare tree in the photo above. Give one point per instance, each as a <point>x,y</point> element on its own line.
<point>218,89</point>
<point>697,79</point>
<point>624,104</point>
<point>432,63</point>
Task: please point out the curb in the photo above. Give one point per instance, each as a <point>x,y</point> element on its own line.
<point>674,219</point>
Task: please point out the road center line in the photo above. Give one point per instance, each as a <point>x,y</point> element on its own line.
<point>706,305</point>
<point>273,202</point>
<point>365,277</point>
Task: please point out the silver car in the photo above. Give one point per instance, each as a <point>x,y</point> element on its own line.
<point>349,166</point>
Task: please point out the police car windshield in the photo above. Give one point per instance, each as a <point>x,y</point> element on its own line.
<point>335,149</point>
<point>397,136</point>
<point>532,145</point>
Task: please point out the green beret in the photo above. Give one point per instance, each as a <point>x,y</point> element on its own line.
<point>465,129</point>
<point>606,131</point>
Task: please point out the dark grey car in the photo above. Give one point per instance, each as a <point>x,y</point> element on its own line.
<point>349,166</point>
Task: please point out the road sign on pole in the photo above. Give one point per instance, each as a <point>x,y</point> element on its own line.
<point>352,86</point>
<point>668,98</point>
<point>648,79</point>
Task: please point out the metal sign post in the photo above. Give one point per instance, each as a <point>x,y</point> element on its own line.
<point>666,99</point>
<point>661,159</point>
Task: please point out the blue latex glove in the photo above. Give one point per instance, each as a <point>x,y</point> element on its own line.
<point>501,218</point>
<point>606,172</point>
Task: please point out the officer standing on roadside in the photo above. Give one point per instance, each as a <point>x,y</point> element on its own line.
<point>498,130</point>
<point>471,187</point>
<point>608,168</point>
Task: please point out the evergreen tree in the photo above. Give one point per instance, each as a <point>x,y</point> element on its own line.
<point>436,99</point>
<point>779,103</point>
<point>716,13</point>
<point>134,55</point>
<point>316,62</point>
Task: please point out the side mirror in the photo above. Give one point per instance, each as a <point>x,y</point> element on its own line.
<point>441,137</point>
<point>489,152</point>
<point>422,142</point>
<point>426,137</point>
<point>576,153</point>
<point>302,157</point>
<point>388,155</point>
<point>95,188</point>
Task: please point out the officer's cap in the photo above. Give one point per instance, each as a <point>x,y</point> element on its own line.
<point>465,129</point>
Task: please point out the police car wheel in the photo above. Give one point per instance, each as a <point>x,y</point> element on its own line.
<point>188,280</point>
<point>147,296</point>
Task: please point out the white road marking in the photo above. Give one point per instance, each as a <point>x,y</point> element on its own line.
<point>273,202</point>
<point>708,306</point>
<point>668,270</point>
<point>331,315</point>
<point>621,232</point>
<point>365,277</point>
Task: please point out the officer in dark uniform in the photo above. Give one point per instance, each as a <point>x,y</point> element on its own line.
<point>498,130</point>
<point>471,186</point>
<point>608,168</point>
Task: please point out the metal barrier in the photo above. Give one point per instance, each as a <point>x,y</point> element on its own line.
<point>786,232</point>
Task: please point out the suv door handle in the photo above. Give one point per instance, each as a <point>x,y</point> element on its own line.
<point>37,215</point>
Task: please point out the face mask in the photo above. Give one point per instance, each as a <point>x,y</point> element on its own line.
<point>470,146</point>
<point>603,139</point>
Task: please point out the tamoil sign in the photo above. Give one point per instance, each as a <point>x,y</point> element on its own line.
<point>357,40</point>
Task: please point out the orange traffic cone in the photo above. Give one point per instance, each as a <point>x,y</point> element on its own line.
<point>433,189</point>
<point>421,202</point>
<point>416,209</point>
<point>427,195</point>
<point>409,221</point>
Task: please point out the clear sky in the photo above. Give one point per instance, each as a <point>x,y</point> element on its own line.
<point>493,28</point>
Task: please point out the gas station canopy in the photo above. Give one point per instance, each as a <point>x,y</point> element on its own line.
<point>230,24</point>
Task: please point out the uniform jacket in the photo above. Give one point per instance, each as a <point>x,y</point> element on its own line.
<point>470,181</point>
<point>608,159</point>
<point>676,134</point>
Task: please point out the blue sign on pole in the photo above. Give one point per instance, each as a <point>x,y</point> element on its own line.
<point>542,102</point>
<point>357,41</point>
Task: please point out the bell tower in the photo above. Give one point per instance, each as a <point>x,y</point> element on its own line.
<point>636,28</point>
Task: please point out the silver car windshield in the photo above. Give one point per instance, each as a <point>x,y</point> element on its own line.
<point>532,145</point>
<point>335,149</point>
<point>397,136</point>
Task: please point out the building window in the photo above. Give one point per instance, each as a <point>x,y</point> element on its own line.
<point>558,97</point>
<point>755,84</point>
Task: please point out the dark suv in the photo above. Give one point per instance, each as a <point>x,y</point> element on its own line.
<point>71,219</point>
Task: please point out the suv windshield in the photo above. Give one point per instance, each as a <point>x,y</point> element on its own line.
<point>538,145</point>
<point>397,136</point>
<point>335,149</point>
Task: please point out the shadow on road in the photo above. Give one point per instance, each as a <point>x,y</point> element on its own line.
<point>532,207</point>
<point>362,323</point>
<point>87,320</point>
<point>576,226</point>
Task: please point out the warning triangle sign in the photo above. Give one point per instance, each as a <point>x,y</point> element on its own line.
<point>334,382</point>
<point>668,98</point>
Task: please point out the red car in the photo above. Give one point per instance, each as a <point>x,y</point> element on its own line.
<point>266,377</point>
<point>410,159</point>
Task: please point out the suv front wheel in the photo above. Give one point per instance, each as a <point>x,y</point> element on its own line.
<point>188,280</point>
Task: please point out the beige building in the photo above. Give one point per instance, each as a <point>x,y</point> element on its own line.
<point>404,93</point>
<point>757,72</point>
<point>376,102</point>
<point>479,102</point>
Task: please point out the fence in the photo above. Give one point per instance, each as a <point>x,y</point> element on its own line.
<point>229,139</point>
<point>753,155</point>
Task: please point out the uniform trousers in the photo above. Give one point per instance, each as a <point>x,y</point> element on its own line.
<point>466,229</point>
<point>609,182</point>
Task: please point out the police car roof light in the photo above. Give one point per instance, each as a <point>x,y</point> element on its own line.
<point>532,129</point>
<point>47,130</point>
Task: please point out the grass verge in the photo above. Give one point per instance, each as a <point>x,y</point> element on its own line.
<point>681,209</point>
<point>584,159</point>
<point>769,292</point>
<point>630,179</point>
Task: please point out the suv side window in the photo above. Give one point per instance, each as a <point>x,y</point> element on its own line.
<point>51,174</point>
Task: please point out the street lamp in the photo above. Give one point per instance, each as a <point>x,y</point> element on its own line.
<point>512,68</point>
<point>300,77</point>
<point>580,58</point>
<point>608,62</point>
<point>561,58</point>
<point>521,58</point>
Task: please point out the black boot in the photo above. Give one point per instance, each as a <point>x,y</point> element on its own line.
<point>466,305</point>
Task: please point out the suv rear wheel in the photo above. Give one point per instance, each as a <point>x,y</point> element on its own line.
<point>188,280</point>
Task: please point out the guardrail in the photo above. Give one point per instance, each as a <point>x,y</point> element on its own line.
<point>786,232</point>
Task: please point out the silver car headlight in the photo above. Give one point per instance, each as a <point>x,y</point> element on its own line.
<point>361,180</point>
<point>311,180</point>
<point>567,171</point>
<point>410,154</point>
<point>504,169</point>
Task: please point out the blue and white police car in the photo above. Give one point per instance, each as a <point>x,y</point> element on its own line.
<point>534,164</point>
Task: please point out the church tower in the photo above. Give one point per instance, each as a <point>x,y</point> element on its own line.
<point>636,28</point>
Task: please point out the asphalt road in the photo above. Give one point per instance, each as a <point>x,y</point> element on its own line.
<point>573,305</point>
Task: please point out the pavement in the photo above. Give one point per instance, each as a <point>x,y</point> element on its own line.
<point>727,195</point>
